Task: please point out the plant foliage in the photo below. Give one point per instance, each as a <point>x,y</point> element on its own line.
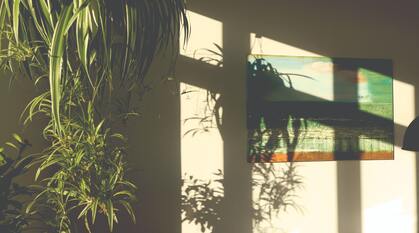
<point>12,215</point>
<point>90,58</point>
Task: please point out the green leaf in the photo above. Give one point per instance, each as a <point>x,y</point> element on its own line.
<point>3,12</point>
<point>12,145</point>
<point>33,202</point>
<point>124,193</point>
<point>110,214</point>
<point>16,5</point>
<point>94,210</point>
<point>56,59</point>
<point>130,211</point>
<point>82,40</point>
<point>48,163</point>
<point>84,211</point>
<point>37,21</point>
<point>18,138</point>
<point>2,160</point>
<point>98,127</point>
<point>46,10</point>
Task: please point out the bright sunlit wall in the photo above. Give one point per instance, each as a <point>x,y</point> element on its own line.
<point>388,188</point>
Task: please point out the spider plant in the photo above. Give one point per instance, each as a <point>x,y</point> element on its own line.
<point>89,58</point>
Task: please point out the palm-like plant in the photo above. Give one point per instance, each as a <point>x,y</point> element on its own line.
<point>92,57</point>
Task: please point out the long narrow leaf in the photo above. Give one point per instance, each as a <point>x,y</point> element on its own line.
<point>110,214</point>
<point>16,5</point>
<point>56,60</point>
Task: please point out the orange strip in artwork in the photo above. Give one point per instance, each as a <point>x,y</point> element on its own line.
<point>328,156</point>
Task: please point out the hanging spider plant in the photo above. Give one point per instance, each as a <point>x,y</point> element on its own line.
<point>91,57</point>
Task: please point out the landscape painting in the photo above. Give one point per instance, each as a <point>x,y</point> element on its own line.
<point>319,109</point>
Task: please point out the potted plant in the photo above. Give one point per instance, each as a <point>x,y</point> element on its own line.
<point>89,58</point>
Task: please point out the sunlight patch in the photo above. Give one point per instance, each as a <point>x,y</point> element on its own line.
<point>202,160</point>
<point>206,40</point>
<point>267,46</point>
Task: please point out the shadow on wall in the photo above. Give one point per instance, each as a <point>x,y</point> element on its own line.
<point>267,120</point>
<point>226,205</point>
<point>272,125</point>
<point>273,187</point>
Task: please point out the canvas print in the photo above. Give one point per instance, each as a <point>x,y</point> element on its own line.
<point>319,108</point>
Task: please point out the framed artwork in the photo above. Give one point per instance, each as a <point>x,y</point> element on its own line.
<point>319,109</point>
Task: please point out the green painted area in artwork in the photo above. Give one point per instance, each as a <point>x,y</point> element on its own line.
<point>337,145</point>
<point>380,90</point>
<point>320,136</point>
<point>383,110</point>
<point>380,86</point>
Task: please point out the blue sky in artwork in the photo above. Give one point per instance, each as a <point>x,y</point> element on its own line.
<point>371,87</point>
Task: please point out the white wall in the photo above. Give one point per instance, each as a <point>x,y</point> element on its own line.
<point>345,196</point>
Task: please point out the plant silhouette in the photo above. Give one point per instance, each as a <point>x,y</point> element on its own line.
<point>264,119</point>
<point>274,186</point>
<point>12,195</point>
<point>202,201</point>
<point>274,190</point>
